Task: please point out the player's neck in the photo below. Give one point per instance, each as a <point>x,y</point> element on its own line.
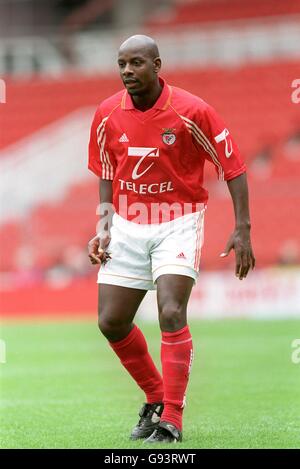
<point>145,102</point>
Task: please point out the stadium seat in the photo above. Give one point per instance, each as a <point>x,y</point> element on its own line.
<point>212,11</point>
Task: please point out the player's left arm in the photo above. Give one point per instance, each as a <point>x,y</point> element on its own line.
<point>240,239</point>
<point>222,150</point>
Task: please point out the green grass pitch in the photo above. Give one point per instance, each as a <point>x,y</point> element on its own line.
<point>62,387</point>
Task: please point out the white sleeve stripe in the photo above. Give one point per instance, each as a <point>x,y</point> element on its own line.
<point>200,140</point>
<point>107,166</point>
<point>201,133</point>
<point>204,142</point>
<point>101,124</point>
<point>204,145</point>
<point>100,132</point>
<point>214,159</point>
<point>207,149</point>
<point>111,173</point>
<point>104,157</point>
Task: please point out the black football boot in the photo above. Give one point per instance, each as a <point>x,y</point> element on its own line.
<point>165,433</point>
<point>149,419</point>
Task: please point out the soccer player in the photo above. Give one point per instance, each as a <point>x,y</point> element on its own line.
<point>148,146</point>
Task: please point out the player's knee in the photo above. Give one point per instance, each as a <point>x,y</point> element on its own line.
<point>172,317</point>
<point>107,325</point>
<point>112,328</point>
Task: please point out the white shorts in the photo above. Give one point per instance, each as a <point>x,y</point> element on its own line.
<point>142,253</point>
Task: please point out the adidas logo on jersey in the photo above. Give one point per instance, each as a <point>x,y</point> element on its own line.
<point>123,138</point>
<point>181,256</point>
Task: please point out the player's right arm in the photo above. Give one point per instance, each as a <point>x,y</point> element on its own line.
<point>102,164</point>
<point>97,246</point>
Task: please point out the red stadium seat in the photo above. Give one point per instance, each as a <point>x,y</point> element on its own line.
<point>211,11</point>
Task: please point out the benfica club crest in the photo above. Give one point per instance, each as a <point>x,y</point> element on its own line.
<point>168,136</point>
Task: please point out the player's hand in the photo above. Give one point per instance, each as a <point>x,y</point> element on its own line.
<point>97,249</point>
<point>244,258</point>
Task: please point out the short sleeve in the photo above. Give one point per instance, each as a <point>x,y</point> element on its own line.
<point>100,159</point>
<point>219,145</point>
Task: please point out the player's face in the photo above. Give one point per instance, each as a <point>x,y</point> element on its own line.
<point>138,71</point>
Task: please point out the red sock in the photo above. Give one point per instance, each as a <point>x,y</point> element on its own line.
<point>134,356</point>
<point>176,359</point>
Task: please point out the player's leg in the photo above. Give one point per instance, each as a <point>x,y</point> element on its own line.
<point>175,263</point>
<point>173,292</point>
<point>117,308</point>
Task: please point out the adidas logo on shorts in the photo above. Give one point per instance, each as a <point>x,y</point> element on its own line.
<point>181,256</point>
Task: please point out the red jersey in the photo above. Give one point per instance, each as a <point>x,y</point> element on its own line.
<point>157,156</point>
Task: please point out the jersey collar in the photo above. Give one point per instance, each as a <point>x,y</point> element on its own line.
<point>162,102</point>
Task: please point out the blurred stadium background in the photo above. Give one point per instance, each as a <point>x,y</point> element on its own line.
<point>61,382</point>
<point>58,61</point>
